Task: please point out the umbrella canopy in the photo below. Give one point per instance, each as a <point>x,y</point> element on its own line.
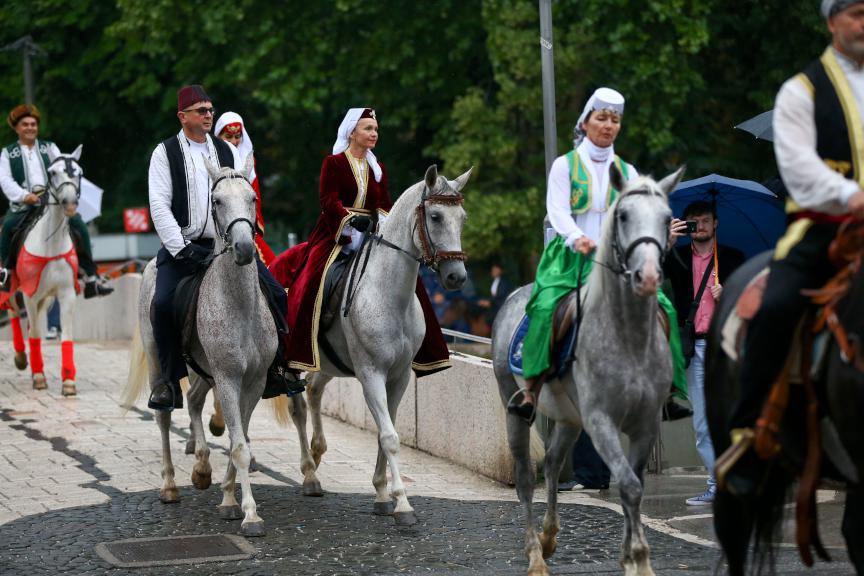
<point>90,202</point>
<point>761,126</point>
<point>750,217</point>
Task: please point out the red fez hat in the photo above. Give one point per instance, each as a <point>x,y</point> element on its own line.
<point>368,113</point>
<point>189,95</point>
<point>22,111</point>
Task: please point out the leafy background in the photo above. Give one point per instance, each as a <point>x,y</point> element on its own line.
<point>455,82</point>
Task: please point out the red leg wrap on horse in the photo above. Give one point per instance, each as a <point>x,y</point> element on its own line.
<point>36,364</point>
<point>67,371</point>
<point>17,335</point>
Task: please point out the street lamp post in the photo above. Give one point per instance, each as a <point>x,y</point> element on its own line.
<point>550,134</point>
<point>28,49</point>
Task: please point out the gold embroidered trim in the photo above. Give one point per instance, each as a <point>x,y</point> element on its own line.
<point>362,186</point>
<point>850,111</point>
<point>431,365</point>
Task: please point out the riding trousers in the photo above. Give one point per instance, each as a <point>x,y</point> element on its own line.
<point>167,335</point>
<point>80,237</point>
<point>557,275</point>
<point>770,332</point>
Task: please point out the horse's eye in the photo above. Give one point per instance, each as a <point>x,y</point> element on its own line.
<point>622,216</point>
<point>435,217</point>
<point>217,202</point>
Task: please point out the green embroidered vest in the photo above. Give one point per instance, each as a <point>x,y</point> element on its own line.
<point>16,161</point>
<point>580,184</point>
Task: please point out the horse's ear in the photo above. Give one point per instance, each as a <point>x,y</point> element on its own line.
<point>77,153</point>
<point>431,177</point>
<point>670,182</point>
<point>616,178</point>
<point>248,166</point>
<point>459,183</point>
<point>211,170</point>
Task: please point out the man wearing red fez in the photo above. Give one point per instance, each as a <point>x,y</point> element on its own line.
<point>23,177</point>
<point>179,190</point>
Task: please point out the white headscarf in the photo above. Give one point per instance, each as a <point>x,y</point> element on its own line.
<point>245,147</point>
<point>602,99</point>
<point>343,139</point>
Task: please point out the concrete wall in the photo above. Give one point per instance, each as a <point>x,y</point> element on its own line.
<point>112,317</point>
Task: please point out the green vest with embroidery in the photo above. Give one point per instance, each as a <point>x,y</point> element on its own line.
<point>580,184</point>
<point>16,161</point>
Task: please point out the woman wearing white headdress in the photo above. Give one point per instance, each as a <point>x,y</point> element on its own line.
<point>231,128</point>
<point>353,195</point>
<point>578,199</point>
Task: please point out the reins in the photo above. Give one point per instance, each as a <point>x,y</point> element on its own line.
<point>226,235</point>
<point>619,267</point>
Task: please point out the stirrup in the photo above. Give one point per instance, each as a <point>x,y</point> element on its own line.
<point>742,441</point>
<point>527,412</point>
<point>4,280</point>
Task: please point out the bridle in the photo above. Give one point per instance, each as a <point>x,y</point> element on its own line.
<point>430,255</point>
<point>75,182</point>
<point>622,255</point>
<point>226,235</point>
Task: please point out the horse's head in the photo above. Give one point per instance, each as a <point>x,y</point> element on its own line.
<point>64,181</point>
<point>438,230</point>
<point>233,209</point>
<point>640,228</point>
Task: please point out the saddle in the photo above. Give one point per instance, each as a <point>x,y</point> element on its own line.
<point>565,333</point>
<point>334,287</point>
<point>786,404</point>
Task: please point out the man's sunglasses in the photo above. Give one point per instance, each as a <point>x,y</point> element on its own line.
<point>202,111</point>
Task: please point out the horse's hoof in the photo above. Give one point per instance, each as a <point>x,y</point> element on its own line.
<point>215,429</point>
<point>405,518</point>
<point>69,388</point>
<point>549,545</point>
<point>230,512</point>
<point>312,488</point>
<point>169,495</point>
<point>200,480</point>
<point>253,465</point>
<point>21,360</point>
<point>253,529</point>
<point>39,382</point>
<point>190,446</point>
<point>383,508</point>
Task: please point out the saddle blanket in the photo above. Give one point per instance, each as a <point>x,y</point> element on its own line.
<point>563,353</point>
<point>29,269</point>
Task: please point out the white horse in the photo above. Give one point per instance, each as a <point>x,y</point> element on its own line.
<point>235,342</point>
<point>47,269</point>
<point>619,378</point>
<point>384,326</point>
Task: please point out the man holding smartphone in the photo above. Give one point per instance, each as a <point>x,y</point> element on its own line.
<point>697,272</point>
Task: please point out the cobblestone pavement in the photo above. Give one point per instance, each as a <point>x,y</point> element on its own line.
<point>75,472</point>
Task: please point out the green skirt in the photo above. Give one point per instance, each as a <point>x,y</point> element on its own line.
<point>557,275</point>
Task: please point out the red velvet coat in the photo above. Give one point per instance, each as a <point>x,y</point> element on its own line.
<point>264,251</point>
<point>302,268</point>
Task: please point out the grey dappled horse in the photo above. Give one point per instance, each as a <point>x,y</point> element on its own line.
<point>235,342</point>
<point>384,326</point>
<point>621,373</point>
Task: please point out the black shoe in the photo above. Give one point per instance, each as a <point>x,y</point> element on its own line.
<point>165,397</point>
<point>281,381</point>
<point>743,478</point>
<point>5,282</point>
<point>674,411</point>
<point>95,288</point>
<point>526,412</point>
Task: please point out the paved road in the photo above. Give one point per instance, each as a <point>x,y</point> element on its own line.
<point>78,472</point>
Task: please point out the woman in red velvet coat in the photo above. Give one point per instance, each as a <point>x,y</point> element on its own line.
<point>354,196</point>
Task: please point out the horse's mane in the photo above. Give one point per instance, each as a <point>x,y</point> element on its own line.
<point>597,283</point>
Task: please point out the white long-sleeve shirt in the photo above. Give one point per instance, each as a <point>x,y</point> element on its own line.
<point>811,183</point>
<point>564,222</point>
<point>36,175</point>
<point>160,191</point>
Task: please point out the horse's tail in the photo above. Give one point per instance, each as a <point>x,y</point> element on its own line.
<point>138,376</point>
<point>280,406</point>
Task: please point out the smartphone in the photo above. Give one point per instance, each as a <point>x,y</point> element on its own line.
<point>691,226</point>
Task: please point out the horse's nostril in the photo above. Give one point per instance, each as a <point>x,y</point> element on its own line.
<point>638,276</point>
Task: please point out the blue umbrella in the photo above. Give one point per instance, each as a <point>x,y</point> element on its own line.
<point>750,217</point>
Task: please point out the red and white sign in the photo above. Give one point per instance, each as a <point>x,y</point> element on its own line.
<point>136,220</point>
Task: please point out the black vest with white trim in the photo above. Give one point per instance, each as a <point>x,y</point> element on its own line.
<point>177,168</point>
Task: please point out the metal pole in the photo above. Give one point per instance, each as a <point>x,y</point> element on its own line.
<point>550,134</point>
<point>28,78</point>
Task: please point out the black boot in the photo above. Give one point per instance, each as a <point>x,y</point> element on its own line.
<point>674,411</point>
<point>166,396</point>
<point>281,380</point>
<point>516,406</point>
<point>95,287</point>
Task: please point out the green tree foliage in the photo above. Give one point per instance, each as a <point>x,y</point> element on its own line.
<point>454,81</point>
